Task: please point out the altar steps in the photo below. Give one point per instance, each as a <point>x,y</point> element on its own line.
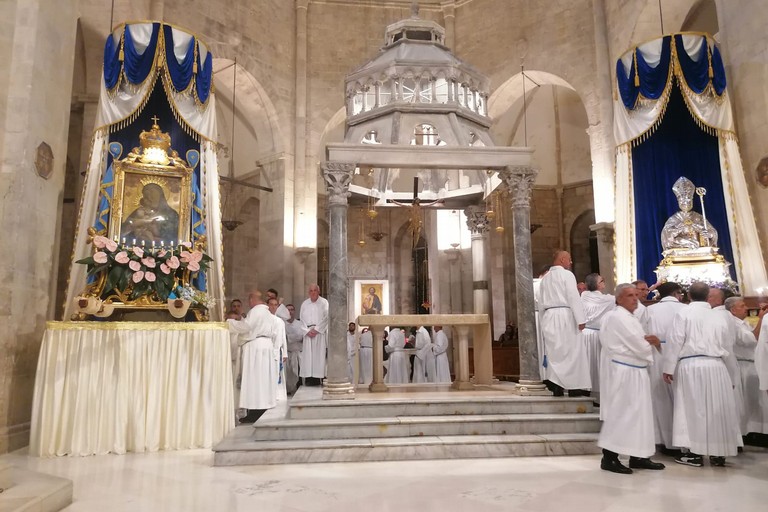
<point>378,428</point>
<point>25,490</point>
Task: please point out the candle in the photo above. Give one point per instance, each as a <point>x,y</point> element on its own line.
<point>134,242</point>
<point>123,240</point>
<point>153,244</point>
<point>142,243</point>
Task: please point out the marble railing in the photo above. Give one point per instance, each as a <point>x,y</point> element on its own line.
<point>478,325</point>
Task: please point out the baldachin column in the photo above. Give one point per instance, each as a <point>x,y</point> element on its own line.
<point>337,178</point>
<point>477,222</point>
<point>519,181</point>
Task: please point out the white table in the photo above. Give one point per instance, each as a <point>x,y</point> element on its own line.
<point>117,387</point>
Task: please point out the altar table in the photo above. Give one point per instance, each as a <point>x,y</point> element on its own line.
<point>117,387</point>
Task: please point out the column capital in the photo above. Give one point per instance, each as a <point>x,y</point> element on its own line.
<point>604,230</point>
<point>477,220</point>
<point>302,4</point>
<point>337,176</point>
<point>519,181</point>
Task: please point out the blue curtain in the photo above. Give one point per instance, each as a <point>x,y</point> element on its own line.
<point>181,73</point>
<point>677,148</point>
<point>112,64</point>
<point>696,73</point>
<point>204,77</point>
<point>653,80</point>
<point>137,67</point>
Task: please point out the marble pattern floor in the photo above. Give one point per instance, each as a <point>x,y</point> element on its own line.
<point>185,481</point>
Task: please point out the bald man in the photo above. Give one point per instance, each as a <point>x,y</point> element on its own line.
<point>562,318</point>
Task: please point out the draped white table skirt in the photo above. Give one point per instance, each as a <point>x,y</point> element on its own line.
<point>117,387</point>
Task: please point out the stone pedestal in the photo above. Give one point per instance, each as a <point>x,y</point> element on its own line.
<point>519,182</point>
<point>605,252</point>
<point>337,177</point>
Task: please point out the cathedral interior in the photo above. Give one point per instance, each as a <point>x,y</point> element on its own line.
<point>282,79</point>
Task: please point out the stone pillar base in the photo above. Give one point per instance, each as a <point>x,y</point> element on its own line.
<point>531,388</point>
<point>462,386</point>
<point>378,387</point>
<point>338,390</point>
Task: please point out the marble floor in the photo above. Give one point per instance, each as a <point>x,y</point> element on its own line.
<point>186,481</point>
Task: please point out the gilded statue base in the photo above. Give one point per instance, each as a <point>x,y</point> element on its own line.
<point>684,266</point>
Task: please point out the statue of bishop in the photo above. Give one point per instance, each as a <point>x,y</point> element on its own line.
<point>687,229</point>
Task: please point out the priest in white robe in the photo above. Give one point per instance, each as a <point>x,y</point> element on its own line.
<point>562,319</point>
<point>314,316</point>
<point>537,318</point>
<point>366,357</point>
<point>705,418</point>
<point>660,317</point>
<point>628,418</point>
<point>761,354</point>
<point>440,349</point>
<point>279,351</point>
<point>597,304</point>
<point>399,370</point>
<point>294,334</point>
<point>754,404</point>
<point>259,375</point>
<point>424,362</point>
<point>351,350</point>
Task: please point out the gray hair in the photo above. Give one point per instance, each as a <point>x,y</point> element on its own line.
<point>592,281</point>
<point>730,302</point>
<point>623,286</point>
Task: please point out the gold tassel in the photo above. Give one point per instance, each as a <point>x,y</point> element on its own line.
<point>122,55</point>
<point>710,71</point>
<point>637,74</point>
<point>194,67</point>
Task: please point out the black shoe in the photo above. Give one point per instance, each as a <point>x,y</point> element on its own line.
<point>717,461</point>
<point>614,466</point>
<point>690,459</point>
<point>644,463</point>
<point>669,452</point>
<point>248,419</point>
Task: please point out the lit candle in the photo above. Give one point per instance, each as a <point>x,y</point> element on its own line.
<point>153,244</point>
<point>123,240</point>
<point>142,243</point>
<point>134,242</point>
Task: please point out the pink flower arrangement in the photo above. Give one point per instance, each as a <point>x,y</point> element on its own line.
<point>143,271</point>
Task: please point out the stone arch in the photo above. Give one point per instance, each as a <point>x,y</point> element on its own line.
<point>583,245</point>
<point>259,137</point>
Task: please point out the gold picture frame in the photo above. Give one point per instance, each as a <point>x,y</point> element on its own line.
<point>152,203</point>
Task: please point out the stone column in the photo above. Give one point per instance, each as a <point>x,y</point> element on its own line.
<point>477,222</point>
<point>519,181</point>
<point>605,249</point>
<point>337,177</point>
<point>449,18</point>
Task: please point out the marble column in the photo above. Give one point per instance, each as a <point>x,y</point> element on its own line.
<point>337,178</point>
<point>477,222</point>
<point>605,256</point>
<point>519,181</point>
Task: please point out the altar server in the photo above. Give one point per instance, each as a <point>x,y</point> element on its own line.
<point>399,368</point>
<point>660,317</point>
<point>597,304</point>
<point>424,363</point>
<point>628,417</point>
<point>257,391</point>
<point>705,419</point>
<point>314,315</point>
<point>440,348</point>
<point>279,350</point>
<point>562,319</point>
<point>754,404</point>
<point>366,357</point>
<point>294,334</point>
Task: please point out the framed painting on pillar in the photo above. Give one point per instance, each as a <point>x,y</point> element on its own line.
<point>371,297</point>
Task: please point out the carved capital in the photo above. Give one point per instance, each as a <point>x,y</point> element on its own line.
<point>477,220</point>
<point>337,176</point>
<point>519,182</point>
<point>604,231</point>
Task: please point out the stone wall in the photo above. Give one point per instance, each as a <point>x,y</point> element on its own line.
<point>36,92</point>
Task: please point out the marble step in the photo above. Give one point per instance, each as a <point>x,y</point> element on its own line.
<point>32,491</point>
<point>430,406</point>
<point>240,449</point>
<point>410,426</point>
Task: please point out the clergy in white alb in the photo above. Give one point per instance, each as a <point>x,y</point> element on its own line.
<point>597,304</point>
<point>754,403</point>
<point>761,354</point>
<point>440,349</point>
<point>294,334</point>
<point>258,387</point>
<point>366,357</point>
<point>424,362</point>
<point>279,351</point>
<point>705,419</point>
<point>562,319</point>
<point>660,317</point>
<point>628,420</point>
<point>541,350</point>
<point>351,350</point>
<point>399,370</point>
<point>314,316</point>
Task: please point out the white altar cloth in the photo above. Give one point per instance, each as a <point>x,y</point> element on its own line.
<point>117,387</point>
